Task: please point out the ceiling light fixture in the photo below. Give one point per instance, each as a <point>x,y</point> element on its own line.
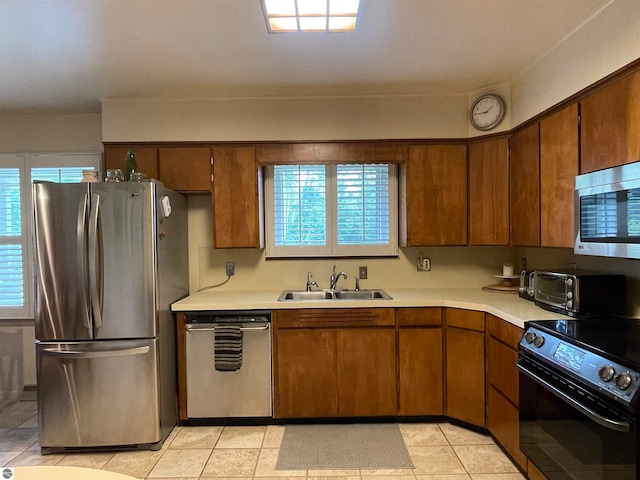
<point>284,16</point>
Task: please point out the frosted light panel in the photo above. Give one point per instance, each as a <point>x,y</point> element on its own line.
<point>311,15</point>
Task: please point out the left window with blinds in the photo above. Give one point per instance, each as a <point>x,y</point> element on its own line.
<point>17,172</point>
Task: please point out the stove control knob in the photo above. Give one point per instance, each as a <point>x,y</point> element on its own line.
<point>623,381</point>
<point>530,337</point>
<point>538,341</point>
<point>606,373</point>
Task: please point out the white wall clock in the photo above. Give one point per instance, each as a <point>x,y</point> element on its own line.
<point>487,112</point>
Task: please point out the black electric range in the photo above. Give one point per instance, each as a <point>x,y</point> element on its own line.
<point>601,352</point>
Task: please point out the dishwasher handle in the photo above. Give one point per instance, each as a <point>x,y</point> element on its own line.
<point>208,327</point>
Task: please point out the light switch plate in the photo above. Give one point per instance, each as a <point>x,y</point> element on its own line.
<point>362,272</point>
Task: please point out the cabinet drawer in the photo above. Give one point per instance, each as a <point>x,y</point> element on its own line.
<point>468,319</point>
<point>502,372</point>
<point>334,317</point>
<point>418,316</point>
<point>504,331</point>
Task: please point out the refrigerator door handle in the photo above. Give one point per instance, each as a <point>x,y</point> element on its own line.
<point>95,259</point>
<point>81,253</point>
<point>124,352</point>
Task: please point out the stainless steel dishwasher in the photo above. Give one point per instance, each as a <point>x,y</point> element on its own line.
<point>246,392</point>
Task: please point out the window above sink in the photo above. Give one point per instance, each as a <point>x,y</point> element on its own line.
<point>331,210</point>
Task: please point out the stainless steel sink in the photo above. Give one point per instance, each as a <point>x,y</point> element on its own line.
<point>301,295</point>
<point>304,295</point>
<point>361,295</point>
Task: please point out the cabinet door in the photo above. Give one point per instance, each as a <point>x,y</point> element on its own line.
<point>146,158</point>
<point>558,168</point>
<point>185,169</point>
<point>610,125</point>
<point>524,186</point>
<point>503,423</point>
<point>237,197</point>
<point>306,380</point>
<point>489,192</point>
<point>420,371</point>
<point>465,367</point>
<point>366,372</point>
<point>435,194</point>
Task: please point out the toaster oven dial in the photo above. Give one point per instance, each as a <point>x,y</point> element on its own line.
<point>569,282</point>
<point>569,304</point>
<point>623,381</point>
<point>606,373</point>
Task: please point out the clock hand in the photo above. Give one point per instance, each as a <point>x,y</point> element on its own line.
<point>487,111</point>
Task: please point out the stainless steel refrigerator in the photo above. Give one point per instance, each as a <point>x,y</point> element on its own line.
<point>110,258</point>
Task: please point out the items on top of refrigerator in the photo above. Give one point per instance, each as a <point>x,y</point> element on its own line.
<point>90,176</point>
<point>114,175</point>
<point>132,165</point>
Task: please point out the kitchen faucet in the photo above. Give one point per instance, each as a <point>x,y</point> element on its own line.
<point>310,282</point>
<point>335,277</point>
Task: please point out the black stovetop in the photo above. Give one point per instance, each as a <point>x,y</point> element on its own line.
<point>616,338</point>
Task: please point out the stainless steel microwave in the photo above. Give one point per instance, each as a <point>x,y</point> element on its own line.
<point>607,212</point>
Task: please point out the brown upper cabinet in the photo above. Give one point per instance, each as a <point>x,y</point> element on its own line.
<point>146,158</point>
<point>524,186</point>
<point>610,125</point>
<point>434,191</point>
<point>489,192</point>
<point>185,169</point>
<point>558,168</point>
<point>237,198</point>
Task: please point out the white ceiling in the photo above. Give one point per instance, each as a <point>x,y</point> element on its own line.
<point>62,56</point>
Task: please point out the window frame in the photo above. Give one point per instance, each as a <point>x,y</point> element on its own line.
<point>332,248</point>
<point>26,163</point>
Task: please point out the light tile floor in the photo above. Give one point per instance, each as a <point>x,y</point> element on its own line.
<point>439,451</point>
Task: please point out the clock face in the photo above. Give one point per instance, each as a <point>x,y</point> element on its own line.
<point>487,112</point>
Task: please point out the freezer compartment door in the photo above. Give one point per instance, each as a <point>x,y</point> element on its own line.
<point>93,394</point>
<point>60,263</point>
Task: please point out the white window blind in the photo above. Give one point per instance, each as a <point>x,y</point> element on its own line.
<point>17,172</point>
<point>331,210</point>
<point>11,271</point>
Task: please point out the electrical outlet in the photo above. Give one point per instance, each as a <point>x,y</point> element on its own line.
<point>523,263</point>
<point>362,272</point>
<point>231,269</point>
<point>424,264</point>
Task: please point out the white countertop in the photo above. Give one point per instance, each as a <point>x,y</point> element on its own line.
<point>508,306</point>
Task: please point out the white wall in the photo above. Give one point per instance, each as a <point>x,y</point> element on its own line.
<point>50,133</point>
<point>265,119</point>
<point>603,45</point>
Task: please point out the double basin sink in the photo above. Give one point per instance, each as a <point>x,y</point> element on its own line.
<point>298,295</point>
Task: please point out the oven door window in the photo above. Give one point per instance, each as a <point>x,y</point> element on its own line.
<point>610,216</point>
<point>565,444</point>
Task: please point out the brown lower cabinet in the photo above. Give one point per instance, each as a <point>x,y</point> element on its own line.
<point>464,365</point>
<point>502,386</point>
<point>334,363</point>
<point>366,362</point>
<point>420,361</point>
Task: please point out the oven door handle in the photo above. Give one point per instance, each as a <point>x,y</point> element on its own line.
<point>609,423</point>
